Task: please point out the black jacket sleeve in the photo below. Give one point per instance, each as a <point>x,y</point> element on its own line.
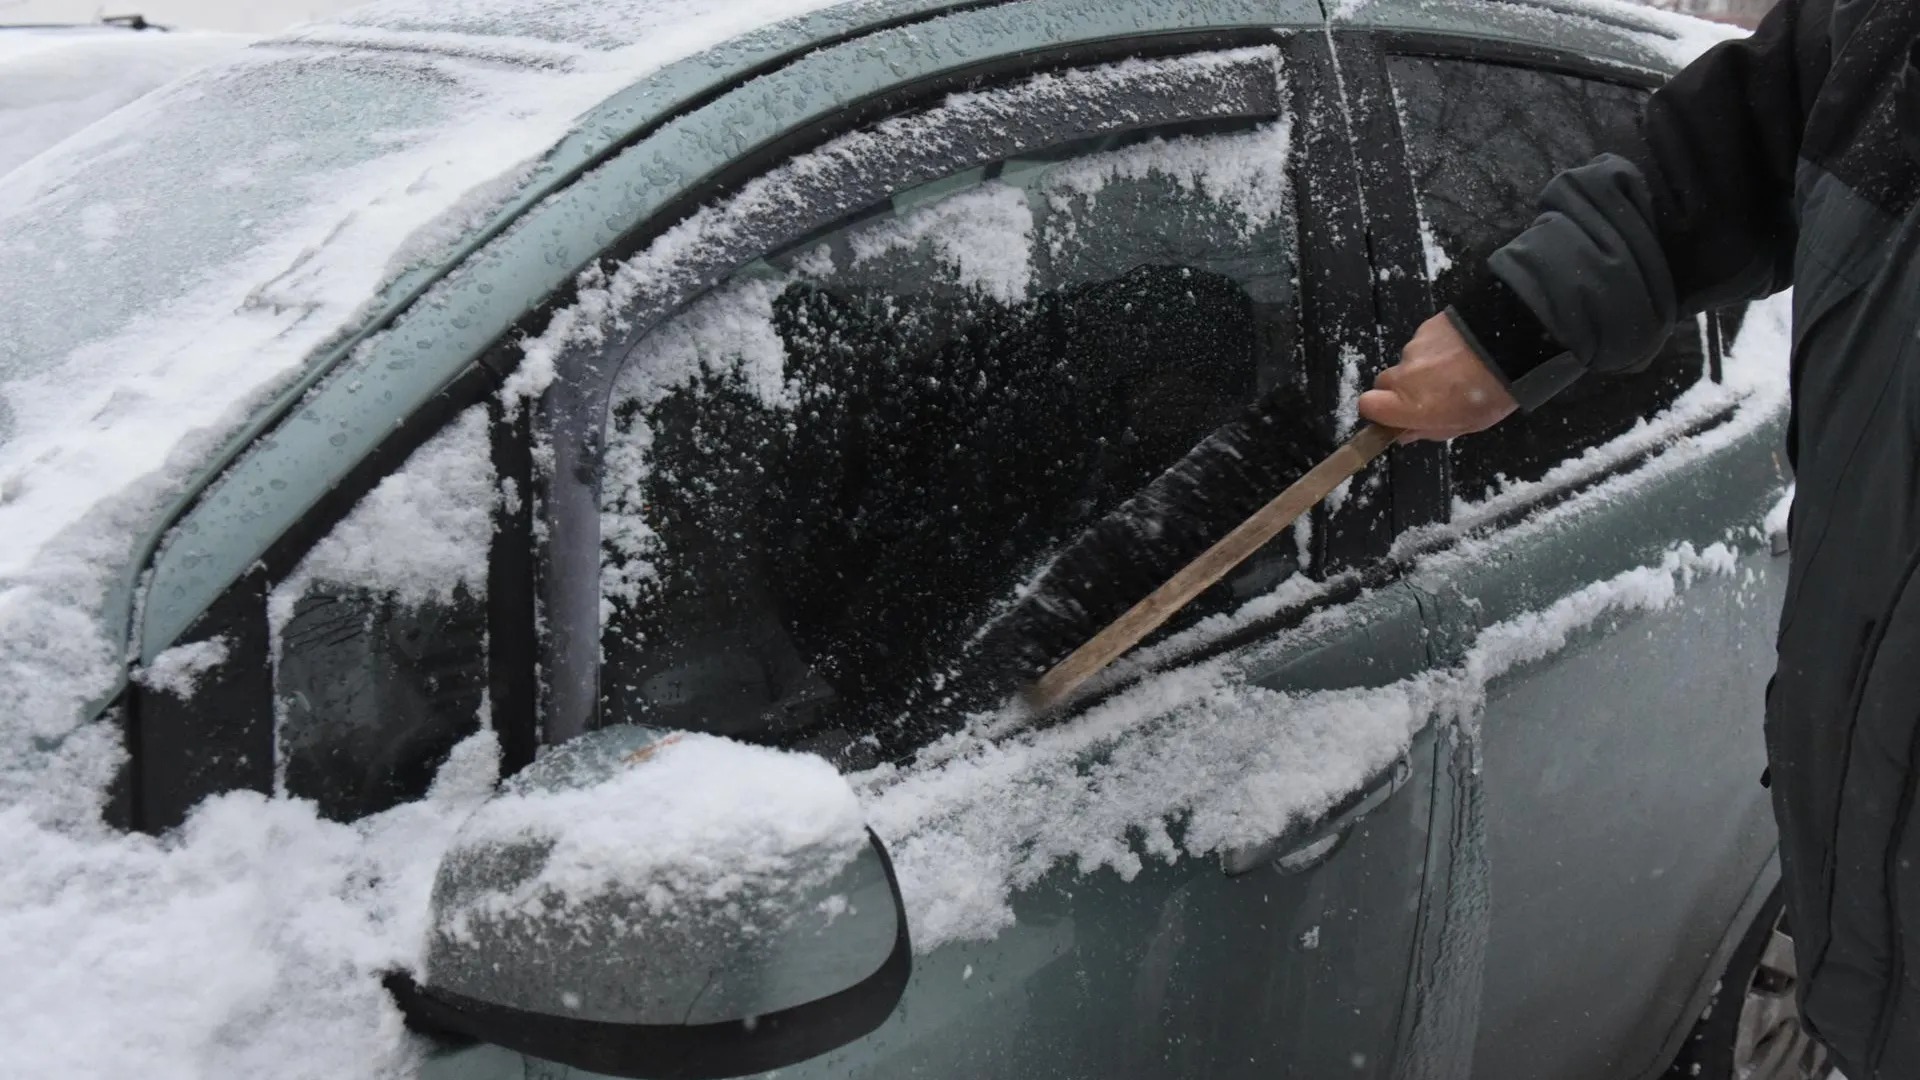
<point>1696,212</point>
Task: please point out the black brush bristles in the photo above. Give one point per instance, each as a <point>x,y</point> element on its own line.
<point>1134,549</point>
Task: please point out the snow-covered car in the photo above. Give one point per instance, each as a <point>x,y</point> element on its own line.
<point>647,401</point>
<point>55,80</point>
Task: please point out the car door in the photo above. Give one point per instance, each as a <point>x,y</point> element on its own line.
<point>827,468</point>
<point>1606,586</point>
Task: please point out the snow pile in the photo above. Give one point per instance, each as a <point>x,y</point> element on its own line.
<point>689,816</point>
<point>1438,261</point>
<point>248,943</point>
<point>1778,517</point>
<point>1537,635</point>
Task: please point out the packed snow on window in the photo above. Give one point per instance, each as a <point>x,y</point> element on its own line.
<point>420,533</point>
<point>984,236</point>
<point>1246,173</point>
<point>729,333</point>
<point>178,670</point>
<point>1438,261</point>
<point>671,263</point>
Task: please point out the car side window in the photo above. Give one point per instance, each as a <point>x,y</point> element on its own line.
<point>1482,140</point>
<point>379,635</point>
<point>827,475</point>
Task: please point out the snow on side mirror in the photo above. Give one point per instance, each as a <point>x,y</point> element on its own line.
<point>656,905</point>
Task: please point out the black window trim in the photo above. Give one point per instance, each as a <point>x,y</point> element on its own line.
<point>1419,473</point>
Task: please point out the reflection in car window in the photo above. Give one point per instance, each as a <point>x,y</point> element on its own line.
<point>825,477</point>
<point>1482,141</point>
<point>379,636</point>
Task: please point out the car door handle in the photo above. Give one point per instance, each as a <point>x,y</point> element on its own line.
<point>1310,843</point>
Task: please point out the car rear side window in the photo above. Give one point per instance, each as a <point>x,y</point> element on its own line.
<point>827,475</point>
<point>379,636</point>
<point>1482,141</point>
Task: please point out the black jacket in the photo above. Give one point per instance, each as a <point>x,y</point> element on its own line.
<point>1787,158</point>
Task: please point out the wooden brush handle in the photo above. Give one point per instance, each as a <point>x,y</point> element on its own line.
<point>1212,565</point>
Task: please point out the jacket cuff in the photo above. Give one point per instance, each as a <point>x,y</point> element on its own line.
<point>1511,340</point>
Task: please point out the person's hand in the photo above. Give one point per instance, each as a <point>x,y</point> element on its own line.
<point>1440,389</point>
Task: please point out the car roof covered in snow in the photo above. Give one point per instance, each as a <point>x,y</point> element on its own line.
<point>183,271</point>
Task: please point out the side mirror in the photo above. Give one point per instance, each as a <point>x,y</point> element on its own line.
<point>664,906</point>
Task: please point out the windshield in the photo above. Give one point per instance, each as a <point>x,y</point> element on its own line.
<point>56,82</point>
<point>211,176</point>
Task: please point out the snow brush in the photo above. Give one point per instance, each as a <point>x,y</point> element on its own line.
<point>1182,512</point>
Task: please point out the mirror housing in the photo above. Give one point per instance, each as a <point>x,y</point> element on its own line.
<point>664,906</point>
